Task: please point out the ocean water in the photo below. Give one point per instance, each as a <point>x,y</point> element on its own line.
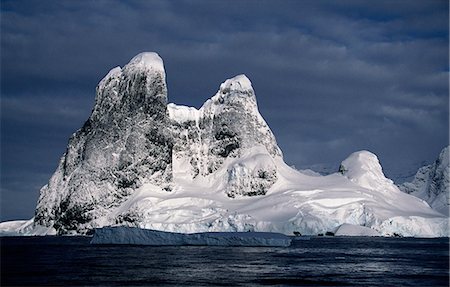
<point>320,261</point>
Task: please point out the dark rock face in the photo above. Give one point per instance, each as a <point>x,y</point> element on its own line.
<point>222,128</point>
<point>225,127</point>
<point>124,143</point>
<point>133,137</point>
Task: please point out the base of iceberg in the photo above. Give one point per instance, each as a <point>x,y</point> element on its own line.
<point>138,236</point>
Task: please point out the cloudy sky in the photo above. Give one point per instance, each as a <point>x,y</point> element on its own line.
<point>331,77</point>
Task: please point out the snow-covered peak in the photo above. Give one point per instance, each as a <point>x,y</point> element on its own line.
<point>236,89</point>
<point>143,61</point>
<point>238,83</point>
<point>224,127</point>
<point>364,169</point>
<point>361,162</point>
<point>444,157</point>
<point>149,60</point>
<point>237,92</point>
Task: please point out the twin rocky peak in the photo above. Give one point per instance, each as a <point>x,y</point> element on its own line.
<point>134,137</point>
<point>139,161</point>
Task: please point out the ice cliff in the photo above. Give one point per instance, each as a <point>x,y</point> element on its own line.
<point>138,236</point>
<point>139,161</point>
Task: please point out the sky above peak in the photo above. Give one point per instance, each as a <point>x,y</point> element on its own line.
<point>330,77</point>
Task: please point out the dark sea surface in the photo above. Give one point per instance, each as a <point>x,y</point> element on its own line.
<point>320,261</point>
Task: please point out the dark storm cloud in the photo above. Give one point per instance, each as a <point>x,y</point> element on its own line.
<point>331,77</point>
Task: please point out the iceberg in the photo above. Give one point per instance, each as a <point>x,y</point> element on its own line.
<point>139,236</point>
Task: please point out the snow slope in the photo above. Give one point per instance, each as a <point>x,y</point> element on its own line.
<point>432,182</point>
<point>296,202</point>
<point>141,162</point>
<point>138,236</point>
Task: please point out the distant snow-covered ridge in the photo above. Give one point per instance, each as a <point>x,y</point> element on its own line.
<point>432,183</point>
<point>139,161</point>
